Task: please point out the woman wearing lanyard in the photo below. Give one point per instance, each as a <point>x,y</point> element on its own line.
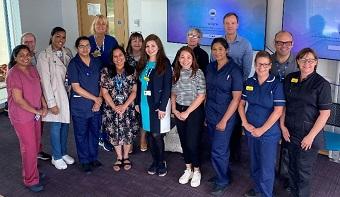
<point>187,96</point>
<point>118,86</point>
<point>85,101</point>
<point>153,94</point>
<point>264,96</point>
<point>224,86</point>
<point>309,101</point>
<point>101,47</point>
<point>26,105</point>
<point>52,66</point>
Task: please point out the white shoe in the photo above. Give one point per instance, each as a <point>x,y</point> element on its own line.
<point>196,179</point>
<point>68,159</point>
<point>184,179</point>
<point>59,164</point>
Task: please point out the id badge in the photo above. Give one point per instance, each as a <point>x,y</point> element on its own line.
<point>147,93</point>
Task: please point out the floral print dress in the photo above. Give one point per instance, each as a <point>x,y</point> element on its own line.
<point>120,129</point>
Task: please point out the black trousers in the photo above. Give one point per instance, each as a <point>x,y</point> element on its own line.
<point>156,144</point>
<point>300,169</point>
<point>190,132</point>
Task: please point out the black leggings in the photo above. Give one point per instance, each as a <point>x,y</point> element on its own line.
<point>189,132</point>
<point>156,144</point>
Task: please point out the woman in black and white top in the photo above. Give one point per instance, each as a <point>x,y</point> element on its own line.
<point>187,96</point>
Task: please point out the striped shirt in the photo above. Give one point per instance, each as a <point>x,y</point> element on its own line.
<point>187,88</point>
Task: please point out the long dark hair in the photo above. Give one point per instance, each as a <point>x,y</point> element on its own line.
<point>133,36</point>
<point>178,67</point>
<point>129,70</point>
<point>14,54</point>
<point>161,59</point>
<point>54,31</point>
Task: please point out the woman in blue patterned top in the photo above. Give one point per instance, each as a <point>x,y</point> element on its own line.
<point>187,96</point>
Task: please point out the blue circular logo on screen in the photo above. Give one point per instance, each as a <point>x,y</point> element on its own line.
<point>212,12</point>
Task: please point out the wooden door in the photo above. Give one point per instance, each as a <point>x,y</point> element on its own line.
<point>116,12</point>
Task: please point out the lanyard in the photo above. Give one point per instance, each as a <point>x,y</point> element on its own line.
<point>103,46</point>
<point>147,74</point>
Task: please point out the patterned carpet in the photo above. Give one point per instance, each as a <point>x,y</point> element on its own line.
<point>136,182</point>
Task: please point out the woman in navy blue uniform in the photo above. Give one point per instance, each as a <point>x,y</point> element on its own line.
<point>85,101</point>
<point>308,106</point>
<point>153,94</point>
<point>224,87</point>
<point>263,94</point>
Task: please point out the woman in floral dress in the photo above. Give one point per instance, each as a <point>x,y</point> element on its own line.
<point>119,88</point>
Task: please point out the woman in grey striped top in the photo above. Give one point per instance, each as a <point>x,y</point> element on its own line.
<point>187,96</point>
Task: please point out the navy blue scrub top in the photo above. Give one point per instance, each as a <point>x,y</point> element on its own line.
<point>304,101</point>
<point>261,101</point>
<point>220,85</point>
<point>88,78</point>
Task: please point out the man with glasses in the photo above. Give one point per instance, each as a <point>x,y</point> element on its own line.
<point>283,59</point>
<point>283,64</point>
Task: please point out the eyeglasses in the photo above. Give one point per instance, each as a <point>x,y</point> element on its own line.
<point>281,43</point>
<point>193,36</point>
<point>84,46</point>
<point>308,61</point>
<point>258,65</point>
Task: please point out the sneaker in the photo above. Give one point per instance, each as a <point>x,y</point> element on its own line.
<point>68,159</point>
<point>162,169</point>
<point>250,193</point>
<point>107,147</point>
<point>59,164</point>
<point>36,188</point>
<point>184,179</point>
<point>196,179</point>
<point>44,156</point>
<point>153,168</point>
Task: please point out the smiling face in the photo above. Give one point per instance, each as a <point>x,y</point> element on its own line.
<point>193,39</point>
<point>84,48</point>
<point>230,25</point>
<point>136,44</point>
<point>151,49</point>
<point>58,40</point>
<point>118,59</point>
<point>219,52</point>
<point>283,43</point>
<point>185,60</point>
<point>100,27</point>
<point>23,58</point>
<point>29,41</point>
<point>307,64</point>
<point>262,66</point>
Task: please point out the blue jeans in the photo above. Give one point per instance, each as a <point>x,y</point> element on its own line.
<point>59,133</point>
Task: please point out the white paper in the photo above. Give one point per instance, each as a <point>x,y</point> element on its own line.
<point>93,9</point>
<point>165,122</point>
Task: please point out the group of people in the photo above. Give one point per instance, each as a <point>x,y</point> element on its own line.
<point>112,94</point>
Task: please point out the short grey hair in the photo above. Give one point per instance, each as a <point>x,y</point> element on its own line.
<point>196,30</point>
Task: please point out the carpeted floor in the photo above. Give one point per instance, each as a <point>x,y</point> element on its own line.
<point>136,182</point>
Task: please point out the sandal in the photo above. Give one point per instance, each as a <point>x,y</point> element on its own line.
<point>117,165</point>
<point>127,164</point>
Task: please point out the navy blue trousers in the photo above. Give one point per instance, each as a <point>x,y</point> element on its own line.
<point>86,133</point>
<point>262,153</point>
<point>220,152</point>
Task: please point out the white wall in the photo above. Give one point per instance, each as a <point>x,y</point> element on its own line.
<point>40,16</point>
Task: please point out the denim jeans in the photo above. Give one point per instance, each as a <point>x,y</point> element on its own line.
<point>59,133</point>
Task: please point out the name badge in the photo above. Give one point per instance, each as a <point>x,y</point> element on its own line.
<point>147,93</point>
<point>294,80</point>
<point>249,88</point>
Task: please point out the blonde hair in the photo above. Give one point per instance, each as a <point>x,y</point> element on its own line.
<point>95,21</point>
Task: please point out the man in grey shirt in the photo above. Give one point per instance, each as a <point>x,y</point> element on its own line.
<point>283,63</point>
<point>283,59</point>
